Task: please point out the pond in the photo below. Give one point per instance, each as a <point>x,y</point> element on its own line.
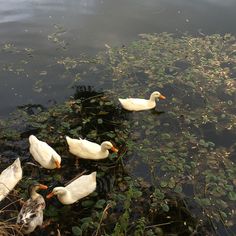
<point>42,32</point>
<point>63,67</point>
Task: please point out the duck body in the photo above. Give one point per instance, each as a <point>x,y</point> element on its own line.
<point>77,189</point>
<point>31,213</point>
<point>45,155</point>
<point>89,150</point>
<point>9,178</point>
<point>139,104</point>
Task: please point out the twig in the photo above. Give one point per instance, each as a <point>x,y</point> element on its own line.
<point>76,177</point>
<point>10,204</point>
<point>100,222</point>
<point>10,219</point>
<point>167,223</point>
<point>95,96</point>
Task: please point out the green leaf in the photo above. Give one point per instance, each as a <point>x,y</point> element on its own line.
<point>158,194</point>
<point>232,196</point>
<point>205,202</point>
<point>100,203</point>
<point>223,214</point>
<point>100,121</point>
<point>178,189</point>
<point>165,207</point>
<point>171,183</point>
<point>51,211</point>
<point>110,135</point>
<point>165,136</point>
<point>136,193</point>
<point>164,183</point>
<point>76,231</point>
<point>84,226</point>
<point>87,203</point>
<point>86,219</point>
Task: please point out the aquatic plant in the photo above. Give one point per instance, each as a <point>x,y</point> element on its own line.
<point>175,172</point>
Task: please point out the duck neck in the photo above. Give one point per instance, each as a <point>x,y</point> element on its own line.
<point>152,98</point>
<point>64,197</point>
<point>104,150</point>
<point>34,194</point>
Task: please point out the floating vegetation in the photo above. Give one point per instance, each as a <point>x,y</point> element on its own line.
<point>175,172</point>
<point>55,37</point>
<point>68,63</point>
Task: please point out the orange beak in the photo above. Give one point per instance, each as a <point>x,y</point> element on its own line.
<point>58,164</point>
<point>50,195</point>
<point>114,149</point>
<point>162,97</point>
<point>42,186</point>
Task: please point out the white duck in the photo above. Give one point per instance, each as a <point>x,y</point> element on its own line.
<point>31,213</point>
<point>44,154</point>
<point>89,150</point>
<point>139,104</point>
<point>10,177</point>
<point>77,189</point>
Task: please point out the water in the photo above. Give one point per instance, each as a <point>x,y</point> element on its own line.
<point>88,25</point>
<point>41,42</point>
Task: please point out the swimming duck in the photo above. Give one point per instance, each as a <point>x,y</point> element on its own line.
<point>89,150</point>
<point>139,104</point>
<point>77,189</point>
<point>31,213</point>
<point>44,154</point>
<point>10,177</point>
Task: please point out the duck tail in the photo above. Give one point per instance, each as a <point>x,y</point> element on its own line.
<point>17,169</point>
<point>68,139</point>
<point>32,139</point>
<point>17,162</point>
<point>93,175</point>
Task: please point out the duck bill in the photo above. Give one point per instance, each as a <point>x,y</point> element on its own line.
<point>42,186</point>
<point>114,149</point>
<point>58,164</point>
<point>50,195</point>
<point>162,97</point>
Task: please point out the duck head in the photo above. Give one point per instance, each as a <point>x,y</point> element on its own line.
<point>157,95</point>
<point>33,188</point>
<point>57,191</point>
<point>108,145</point>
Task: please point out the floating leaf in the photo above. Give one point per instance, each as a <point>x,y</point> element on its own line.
<point>43,72</point>
<point>165,207</point>
<point>100,121</point>
<point>158,194</point>
<point>87,203</point>
<point>171,183</point>
<point>76,231</point>
<point>223,215</point>
<point>232,196</point>
<point>178,189</point>
<point>100,203</point>
<point>164,184</point>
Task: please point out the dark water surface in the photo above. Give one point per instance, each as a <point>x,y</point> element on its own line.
<point>187,141</point>
<point>85,26</point>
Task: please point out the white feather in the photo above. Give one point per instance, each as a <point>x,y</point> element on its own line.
<point>43,153</point>
<point>9,178</point>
